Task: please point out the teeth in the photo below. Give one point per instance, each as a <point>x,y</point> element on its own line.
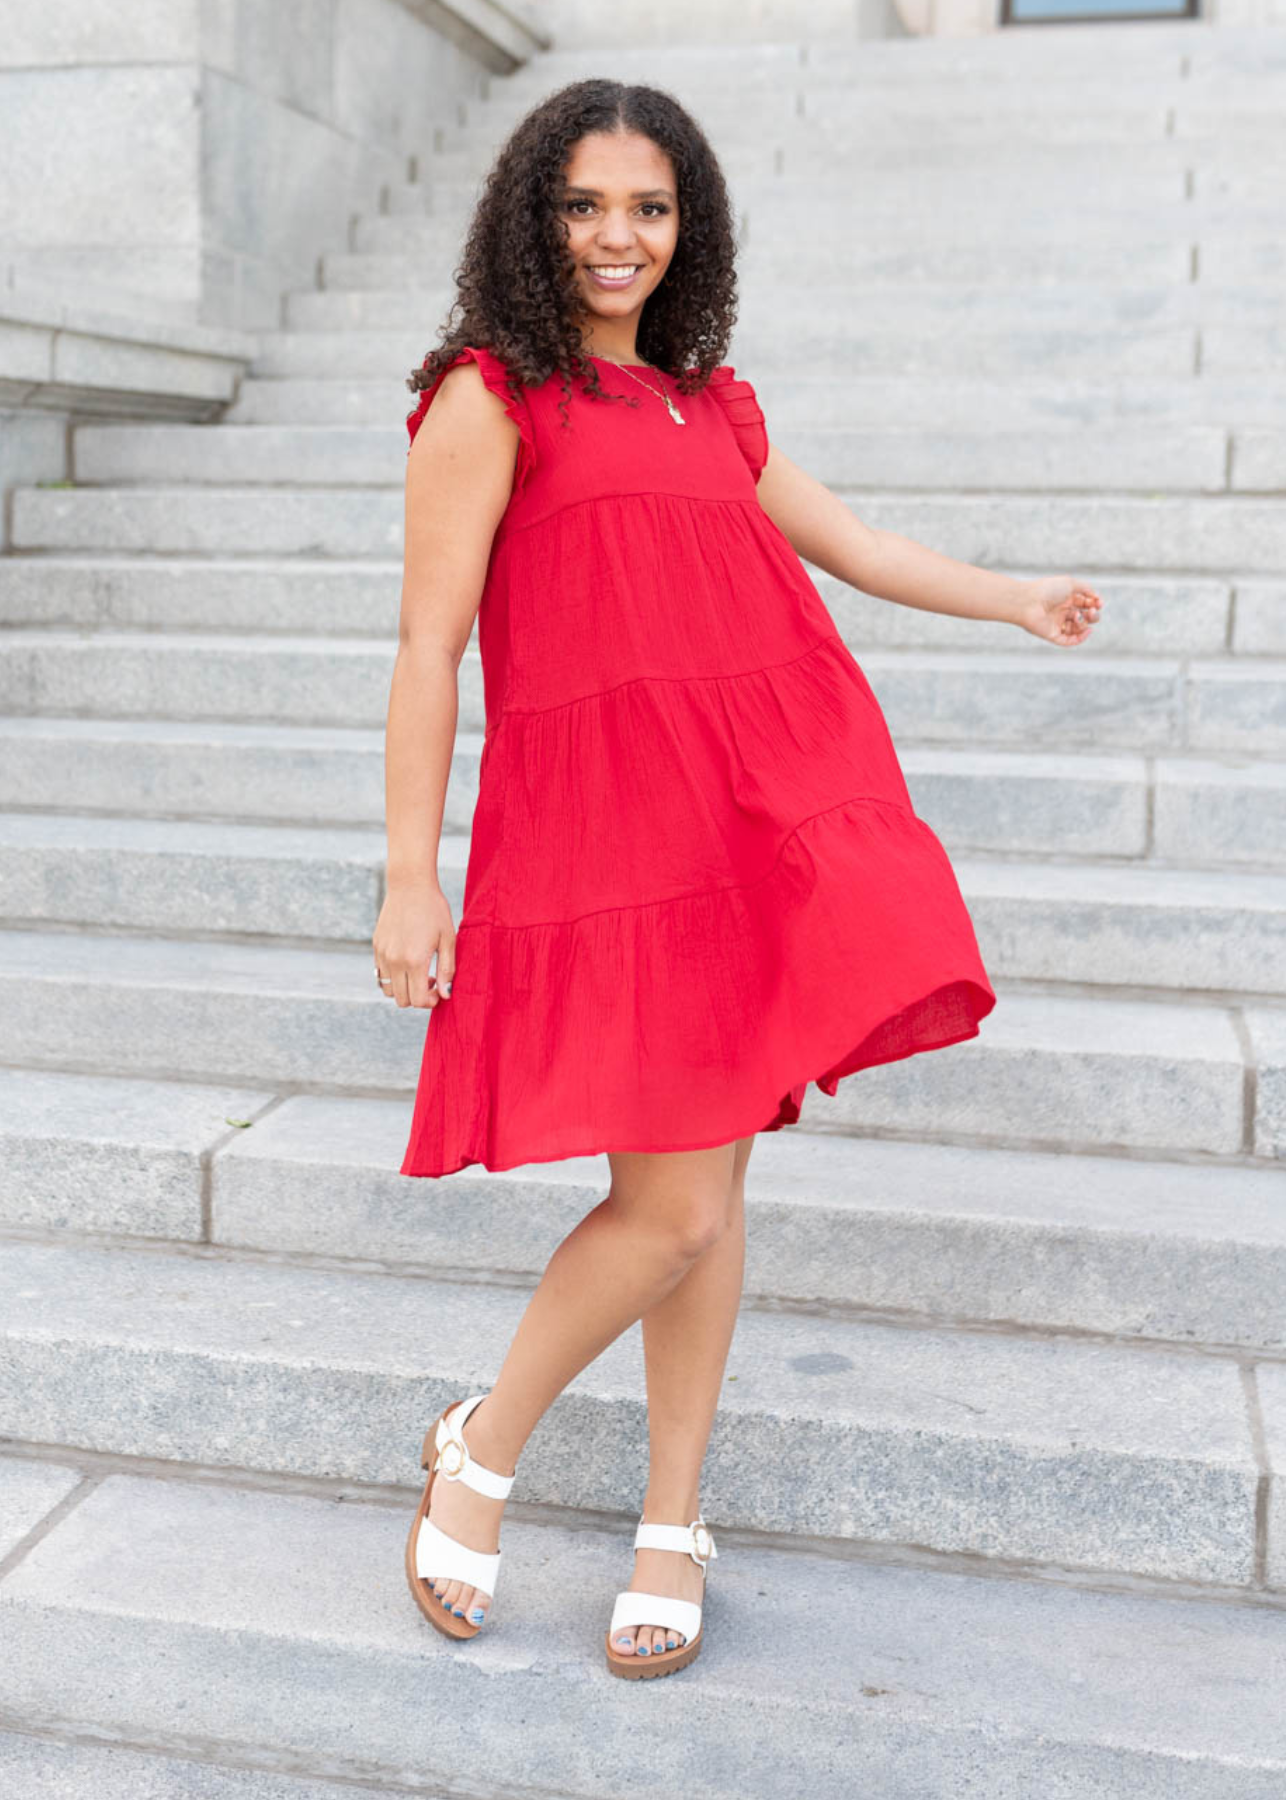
<point>613,269</point>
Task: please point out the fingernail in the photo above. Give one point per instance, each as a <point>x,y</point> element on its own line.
<point>446,989</point>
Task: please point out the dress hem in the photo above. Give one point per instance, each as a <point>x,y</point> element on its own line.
<point>981,1000</point>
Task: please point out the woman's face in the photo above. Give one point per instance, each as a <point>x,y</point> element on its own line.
<point>621,208</point>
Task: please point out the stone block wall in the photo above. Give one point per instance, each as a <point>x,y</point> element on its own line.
<point>193,157</point>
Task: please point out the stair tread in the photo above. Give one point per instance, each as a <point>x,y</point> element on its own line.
<point>854,1672</point>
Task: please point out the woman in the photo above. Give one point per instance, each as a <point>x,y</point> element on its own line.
<point>696,880</point>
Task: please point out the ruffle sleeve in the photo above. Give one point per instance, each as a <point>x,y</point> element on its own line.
<point>744,414</point>
<point>493,374</point>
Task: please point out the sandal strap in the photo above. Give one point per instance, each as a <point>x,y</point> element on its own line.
<point>695,1540</point>
<point>437,1555</point>
<point>634,1608</point>
<point>454,1461</point>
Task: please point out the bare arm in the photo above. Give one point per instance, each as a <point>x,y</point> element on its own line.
<point>826,532</point>
<point>459,472</point>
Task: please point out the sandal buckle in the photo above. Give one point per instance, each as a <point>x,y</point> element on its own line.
<point>459,1454</point>
<point>702,1540</point>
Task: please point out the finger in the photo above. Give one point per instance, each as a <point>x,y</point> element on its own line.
<point>446,967</point>
<point>400,986</point>
<point>420,986</point>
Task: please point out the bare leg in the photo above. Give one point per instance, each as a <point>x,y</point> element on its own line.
<point>664,1212</point>
<point>686,1337</point>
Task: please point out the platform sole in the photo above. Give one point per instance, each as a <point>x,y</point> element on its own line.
<point>438,1615</point>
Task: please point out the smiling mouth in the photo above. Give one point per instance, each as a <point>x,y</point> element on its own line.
<point>613,275</point>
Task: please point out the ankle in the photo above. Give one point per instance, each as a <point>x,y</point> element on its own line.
<point>670,1506</point>
<point>485,1444</point>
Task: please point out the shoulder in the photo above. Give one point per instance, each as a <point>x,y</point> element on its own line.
<point>472,406</point>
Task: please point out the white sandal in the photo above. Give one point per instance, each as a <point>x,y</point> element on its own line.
<point>429,1551</point>
<point>684,1616</point>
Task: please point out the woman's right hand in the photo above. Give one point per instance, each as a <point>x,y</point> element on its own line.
<point>415,920</point>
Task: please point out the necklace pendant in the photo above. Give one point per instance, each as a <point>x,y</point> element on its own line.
<point>675,414</point>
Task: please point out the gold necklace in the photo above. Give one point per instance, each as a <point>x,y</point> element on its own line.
<point>671,408</point>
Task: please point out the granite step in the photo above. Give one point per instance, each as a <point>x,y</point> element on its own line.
<point>295,1659</point>
<point>1143,458</point>
<point>1092,1456</point>
<point>395,305</point>
<point>1048,1070</point>
<point>1189,534</point>
<point>801,398</point>
<point>1031,351</point>
<point>975,698</point>
<point>1225,255</point>
<point>1184,812</point>
<point>860,1676</point>
<point>300,597</point>
<point>1104,924</point>
<point>1123,1247</point>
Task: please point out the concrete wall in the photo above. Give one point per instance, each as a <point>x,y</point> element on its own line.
<point>195,156</point>
<point>574,23</point>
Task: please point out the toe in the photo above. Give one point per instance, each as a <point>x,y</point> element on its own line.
<point>478,1608</point>
<point>658,1639</point>
<point>624,1642</point>
<point>449,1593</point>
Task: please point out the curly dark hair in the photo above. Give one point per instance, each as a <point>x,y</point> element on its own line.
<point>516,282</point>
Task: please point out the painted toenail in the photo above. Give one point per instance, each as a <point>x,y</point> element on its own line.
<point>670,1644</point>
<point>625,1641</point>
<point>643,1650</point>
<point>477,1615</point>
<point>458,1611</point>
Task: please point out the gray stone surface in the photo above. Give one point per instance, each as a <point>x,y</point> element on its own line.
<point>208,768</point>
<point>1064,1072</point>
<point>292,1631</point>
<point>104,1153</point>
<point>1093,1243</point>
<point>1270,1385</point>
<point>1230,811</point>
<point>29,1491</point>
<point>185,875</point>
<point>1091,1456</point>
<point>1113,924</point>
<point>299,595</point>
<point>1045,1070</point>
<point>204,1010</point>
<point>1266,1027</point>
<point>39,1768</point>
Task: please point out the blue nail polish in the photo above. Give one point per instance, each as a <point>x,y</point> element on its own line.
<point>477,1615</point>
<point>458,1611</point>
<point>670,1644</point>
<point>643,1650</point>
<point>444,1600</point>
<point>623,1640</point>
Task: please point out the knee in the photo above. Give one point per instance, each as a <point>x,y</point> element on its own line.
<point>697,1229</point>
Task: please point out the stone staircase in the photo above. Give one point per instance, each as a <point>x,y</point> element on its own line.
<point>998,1475</point>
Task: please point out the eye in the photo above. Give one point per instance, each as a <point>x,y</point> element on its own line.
<point>659,205</point>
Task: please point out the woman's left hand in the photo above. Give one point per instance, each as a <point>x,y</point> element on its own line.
<point>1059,608</point>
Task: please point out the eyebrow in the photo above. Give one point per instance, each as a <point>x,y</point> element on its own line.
<point>638,194</point>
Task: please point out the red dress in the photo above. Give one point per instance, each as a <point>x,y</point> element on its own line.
<point>696,880</point>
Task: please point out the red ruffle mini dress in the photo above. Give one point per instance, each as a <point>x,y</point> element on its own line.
<point>696,881</point>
